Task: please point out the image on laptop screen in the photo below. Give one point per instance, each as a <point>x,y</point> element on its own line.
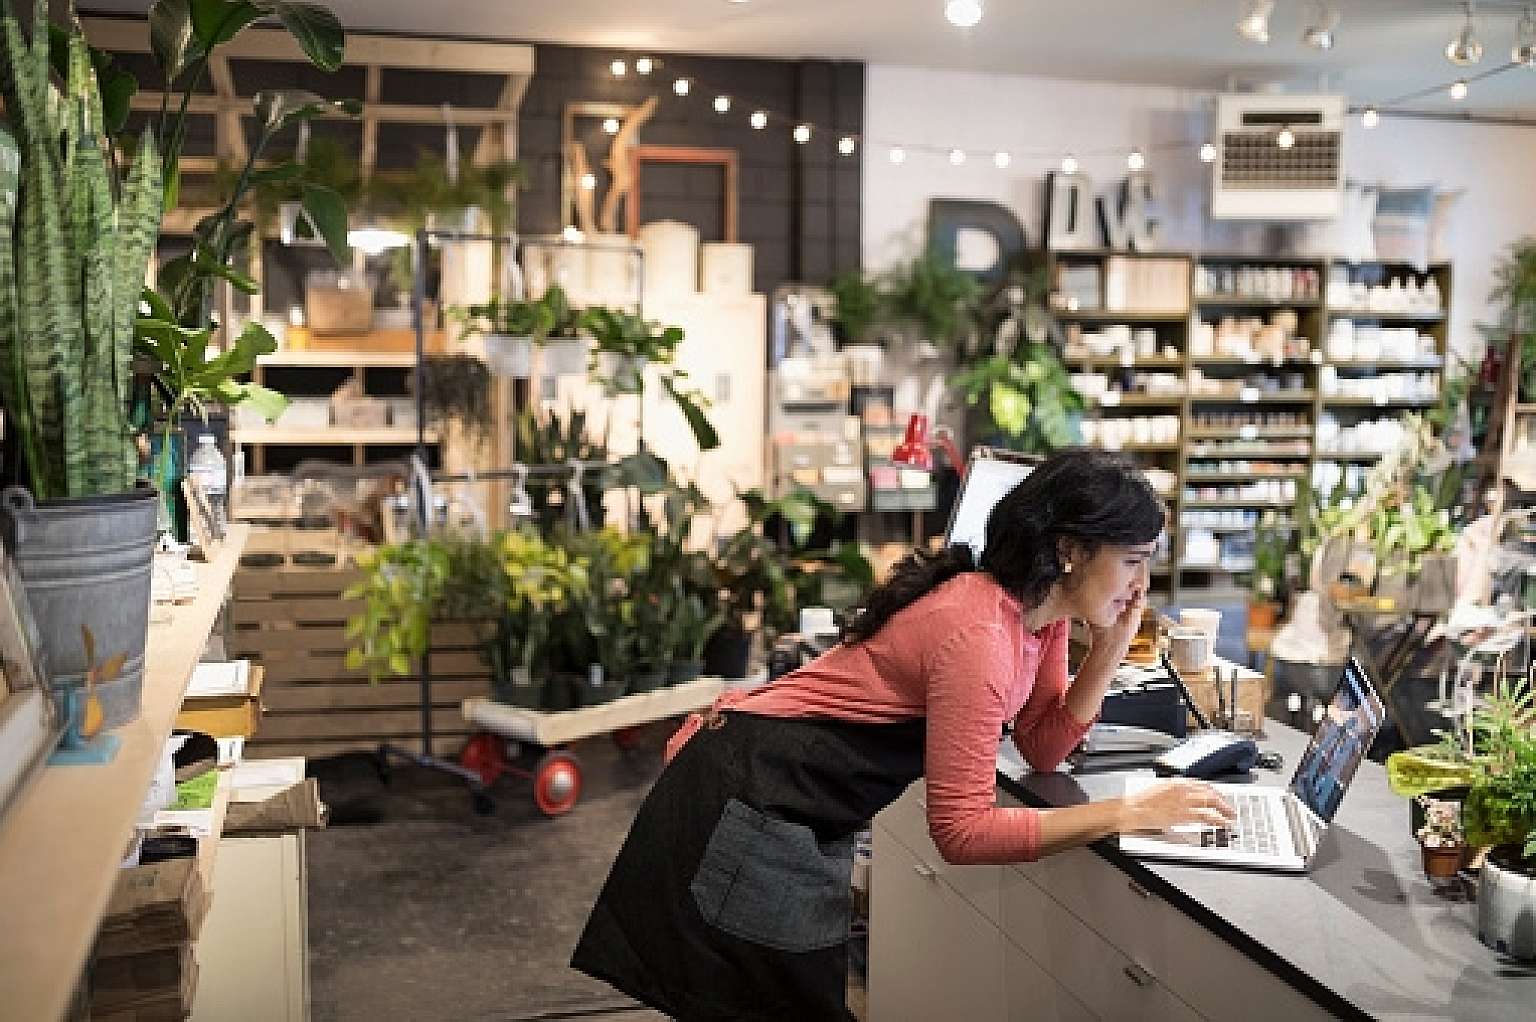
<point>1338,745</point>
<point>987,481</point>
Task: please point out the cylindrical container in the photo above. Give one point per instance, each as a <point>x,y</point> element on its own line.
<point>1190,650</point>
<point>1208,621</point>
<point>725,267</point>
<point>671,257</point>
<point>1506,908</point>
<point>611,266</point>
<point>88,564</point>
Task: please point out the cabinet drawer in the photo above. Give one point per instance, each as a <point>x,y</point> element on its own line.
<point>1109,983</point>
<point>1202,968</point>
<point>1034,996</point>
<point>907,819</point>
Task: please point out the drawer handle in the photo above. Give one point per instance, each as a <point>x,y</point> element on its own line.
<point>1136,974</point>
<point>1138,889</point>
<point>925,871</point>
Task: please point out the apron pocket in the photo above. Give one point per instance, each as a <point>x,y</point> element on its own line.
<point>771,882</point>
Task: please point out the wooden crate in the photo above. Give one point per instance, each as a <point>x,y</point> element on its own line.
<point>292,621</point>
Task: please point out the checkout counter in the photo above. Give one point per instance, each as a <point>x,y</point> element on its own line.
<point>1094,933</point>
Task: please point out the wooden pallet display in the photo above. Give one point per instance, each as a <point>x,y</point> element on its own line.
<point>292,621</point>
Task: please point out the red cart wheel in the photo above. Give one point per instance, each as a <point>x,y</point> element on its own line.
<point>556,783</point>
<point>628,738</point>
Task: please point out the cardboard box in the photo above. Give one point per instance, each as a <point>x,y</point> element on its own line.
<point>225,716</point>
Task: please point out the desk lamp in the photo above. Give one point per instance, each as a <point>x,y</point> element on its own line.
<point>916,448</point>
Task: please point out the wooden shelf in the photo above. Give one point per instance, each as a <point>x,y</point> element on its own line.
<point>1255,363</point>
<point>1139,400</point>
<point>61,843</point>
<point>1234,505</point>
<point>330,436</point>
<point>1274,397</point>
<point>1251,451</point>
<point>1388,317</point>
<point>1219,528</point>
<point>308,359</point>
<point>1108,316</point>
<point>1259,433</point>
<point>1525,409</point>
<point>1222,569</point>
<point>1218,477</point>
<point>1115,362</point>
<point>1240,302</point>
<point>1144,447</point>
<point>1350,455</point>
<point>1410,363</point>
<point>1218,594</point>
<point>1370,402</point>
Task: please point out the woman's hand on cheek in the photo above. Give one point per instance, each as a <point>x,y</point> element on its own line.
<point>1112,642</point>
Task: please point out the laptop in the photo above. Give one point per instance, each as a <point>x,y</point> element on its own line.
<point>989,475</point>
<point>1280,828</point>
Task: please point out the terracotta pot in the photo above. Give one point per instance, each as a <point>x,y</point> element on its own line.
<point>1442,862</point>
<point>1263,615</point>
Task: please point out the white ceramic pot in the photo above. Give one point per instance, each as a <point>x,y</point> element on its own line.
<point>1506,911</point>
<point>565,356</point>
<point>507,355</point>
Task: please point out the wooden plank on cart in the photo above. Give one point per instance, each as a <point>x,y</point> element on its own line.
<point>558,727</point>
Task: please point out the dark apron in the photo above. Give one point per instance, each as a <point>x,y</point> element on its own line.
<point>730,898</point>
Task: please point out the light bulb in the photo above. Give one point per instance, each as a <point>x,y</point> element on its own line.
<point>898,154</point>
<point>1319,30</point>
<point>802,133</point>
<point>1524,51</point>
<point>588,182</point>
<point>1207,152</point>
<point>1069,164</point>
<point>643,65</point>
<point>963,13</point>
<point>1293,702</point>
<point>1370,118</point>
<point>572,233</point>
<point>1317,713</point>
<point>845,145</point>
<point>1000,160</point>
<point>1459,89</point>
<point>611,125</point>
<point>759,119</point>
<point>1254,24</point>
<point>681,86</point>
<point>618,68</point>
<point>1464,48</point>
<point>1286,138</point>
<point>1136,161</point>
<point>956,157</point>
<point>722,104</point>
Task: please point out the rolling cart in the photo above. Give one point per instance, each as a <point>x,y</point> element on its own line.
<point>539,738</point>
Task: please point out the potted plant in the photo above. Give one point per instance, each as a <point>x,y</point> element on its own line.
<point>597,629</point>
<point>1270,549</point>
<point>753,574</point>
<point>542,581</point>
<point>941,299</point>
<point>693,622</point>
<point>456,390</point>
<point>1440,837</point>
<point>1515,290</point>
<point>510,329</point>
<point>624,344</point>
<point>654,608</point>
<point>859,306</point>
<point>550,438</point>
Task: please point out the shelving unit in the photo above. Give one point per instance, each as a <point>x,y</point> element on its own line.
<point>1257,287</point>
<point>61,843</point>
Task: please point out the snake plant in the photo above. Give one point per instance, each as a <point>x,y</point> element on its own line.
<point>73,251</point>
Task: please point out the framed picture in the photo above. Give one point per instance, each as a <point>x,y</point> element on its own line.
<point>29,721</point>
<point>722,160</point>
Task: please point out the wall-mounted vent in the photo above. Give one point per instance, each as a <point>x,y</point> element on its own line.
<point>1256,178</point>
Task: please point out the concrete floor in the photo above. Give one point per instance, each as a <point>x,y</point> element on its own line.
<point>433,912</point>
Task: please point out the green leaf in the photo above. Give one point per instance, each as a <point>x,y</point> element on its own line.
<point>645,471</point>
<point>328,212</point>
<point>316,30</point>
<point>267,403</point>
<point>170,36</point>
<point>159,308</point>
<point>703,431</point>
<point>278,108</point>
<point>216,22</point>
<point>241,282</point>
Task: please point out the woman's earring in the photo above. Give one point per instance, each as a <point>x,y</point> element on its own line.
<point>1066,569</point>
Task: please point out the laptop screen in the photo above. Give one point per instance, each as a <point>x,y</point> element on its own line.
<point>987,480</point>
<point>1349,725</point>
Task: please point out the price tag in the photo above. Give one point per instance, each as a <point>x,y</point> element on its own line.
<point>1110,398</point>
<point>1249,395</point>
<point>1249,432</point>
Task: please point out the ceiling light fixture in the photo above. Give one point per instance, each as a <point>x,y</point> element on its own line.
<point>1465,49</point>
<point>898,155</point>
<point>1370,118</point>
<point>611,125</point>
<point>1207,152</point>
<point>1136,161</point>
<point>681,86</point>
<point>1524,51</point>
<point>1321,25</point>
<point>1459,89</point>
<point>1254,24</point>
<point>1286,138</point>
<point>963,13</point>
<point>644,65</point>
<point>846,145</point>
<point>722,104</point>
<point>1000,160</point>
<point>618,68</point>
<point>759,119</point>
<point>1069,164</point>
<point>956,157</point>
<point>802,133</point>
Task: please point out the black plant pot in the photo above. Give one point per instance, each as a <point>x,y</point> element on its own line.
<point>727,652</point>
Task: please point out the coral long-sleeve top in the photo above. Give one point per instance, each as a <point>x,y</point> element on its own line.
<point>962,657</point>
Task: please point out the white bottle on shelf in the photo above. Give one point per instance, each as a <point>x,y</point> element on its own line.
<point>208,468</point>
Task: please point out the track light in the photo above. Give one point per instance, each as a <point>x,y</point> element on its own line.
<point>963,13</point>
<point>1069,164</point>
<point>644,65</point>
<point>898,155</point>
<point>618,68</point>
<point>1465,49</point>
<point>846,145</point>
<point>681,86</point>
<point>1320,27</point>
<point>1136,161</point>
<point>722,104</point>
<point>611,125</point>
<point>1000,160</point>
<point>1370,118</point>
<point>1208,152</point>
<point>1286,138</point>
<point>1459,89</point>
<point>759,119</point>
<point>1524,51</point>
<point>802,133</point>
<point>1254,24</point>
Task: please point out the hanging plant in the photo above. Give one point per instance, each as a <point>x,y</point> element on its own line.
<point>939,297</point>
<point>457,388</point>
<point>859,306</point>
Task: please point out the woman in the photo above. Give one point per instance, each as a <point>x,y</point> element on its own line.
<point>730,897</point>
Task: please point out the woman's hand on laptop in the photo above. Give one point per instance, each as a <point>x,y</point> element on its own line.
<point>1174,803</point>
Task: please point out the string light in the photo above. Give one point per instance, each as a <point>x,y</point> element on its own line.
<point>963,13</point>
<point>1207,152</point>
<point>572,233</point>
<point>611,125</point>
<point>1136,161</point>
<point>643,65</point>
<point>759,119</point>
<point>1459,89</point>
<point>1069,164</point>
<point>898,155</point>
<point>1001,160</point>
<point>681,86</point>
<point>802,133</point>
<point>722,104</point>
<point>618,68</point>
<point>1286,138</point>
<point>845,145</point>
<point>956,157</point>
<point>1370,118</point>
<point>588,182</point>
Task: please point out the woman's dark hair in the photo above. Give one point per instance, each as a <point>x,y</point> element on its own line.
<point>1091,497</point>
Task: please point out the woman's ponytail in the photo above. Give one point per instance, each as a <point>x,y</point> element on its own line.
<point>915,577</point>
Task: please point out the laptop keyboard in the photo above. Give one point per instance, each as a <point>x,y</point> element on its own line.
<point>1254,830</point>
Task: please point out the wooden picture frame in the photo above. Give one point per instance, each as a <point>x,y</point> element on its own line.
<point>30,724</point>
<point>725,159</point>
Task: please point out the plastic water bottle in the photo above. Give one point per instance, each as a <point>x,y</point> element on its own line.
<point>208,468</point>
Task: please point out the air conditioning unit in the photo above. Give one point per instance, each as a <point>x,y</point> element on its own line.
<point>1257,177</point>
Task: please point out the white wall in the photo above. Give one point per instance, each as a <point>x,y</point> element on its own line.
<point>1040,119</point>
